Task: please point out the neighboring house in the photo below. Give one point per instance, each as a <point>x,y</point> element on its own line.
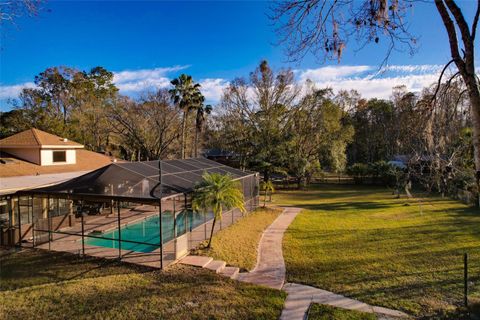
<point>37,153</point>
<point>222,156</point>
<point>41,148</point>
<point>34,158</point>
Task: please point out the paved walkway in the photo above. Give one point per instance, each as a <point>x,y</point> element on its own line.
<point>300,297</point>
<point>270,268</point>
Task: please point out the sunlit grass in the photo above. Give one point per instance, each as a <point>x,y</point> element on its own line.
<point>324,312</point>
<point>399,253</point>
<point>237,244</point>
<point>48,285</point>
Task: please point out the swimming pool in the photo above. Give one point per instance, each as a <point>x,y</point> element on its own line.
<point>147,231</point>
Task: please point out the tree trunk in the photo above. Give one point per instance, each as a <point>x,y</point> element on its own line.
<point>196,143</point>
<point>301,183</point>
<point>475,109</point>
<point>266,176</point>
<point>466,65</point>
<point>211,232</point>
<point>467,71</point>
<point>265,199</point>
<point>182,139</point>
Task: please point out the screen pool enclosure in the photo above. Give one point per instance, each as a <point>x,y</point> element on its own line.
<point>125,210</point>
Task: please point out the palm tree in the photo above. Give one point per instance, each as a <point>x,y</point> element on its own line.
<point>267,187</point>
<point>202,112</point>
<point>187,96</point>
<point>217,192</point>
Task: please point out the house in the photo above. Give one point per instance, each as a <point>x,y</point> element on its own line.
<point>41,148</point>
<point>34,158</point>
<point>222,156</point>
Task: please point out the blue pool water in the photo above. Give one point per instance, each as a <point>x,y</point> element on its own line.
<point>147,231</point>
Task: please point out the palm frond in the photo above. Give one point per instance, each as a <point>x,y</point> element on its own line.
<point>217,192</point>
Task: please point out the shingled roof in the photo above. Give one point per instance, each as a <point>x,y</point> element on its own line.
<point>35,138</point>
<point>86,161</point>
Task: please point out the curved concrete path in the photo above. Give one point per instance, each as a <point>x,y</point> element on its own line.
<point>301,296</point>
<point>270,268</point>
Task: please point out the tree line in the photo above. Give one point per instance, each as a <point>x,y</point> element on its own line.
<point>86,106</point>
<point>277,127</point>
<point>268,121</point>
<point>430,132</point>
<point>443,143</point>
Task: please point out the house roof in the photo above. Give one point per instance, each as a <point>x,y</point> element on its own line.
<point>11,185</point>
<point>219,153</point>
<point>85,161</point>
<point>140,180</point>
<point>35,138</point>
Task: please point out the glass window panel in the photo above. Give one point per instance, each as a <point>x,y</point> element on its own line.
<point>59,156</point>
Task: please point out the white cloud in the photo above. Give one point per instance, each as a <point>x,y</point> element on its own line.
<point>422,68</point>
<point>363,78</point>
<point>331,73</point>
<point>374,84</point>
<point>12,91</point>
<point>212,89</point>
<point>134,81</point>
<point>130,75</point>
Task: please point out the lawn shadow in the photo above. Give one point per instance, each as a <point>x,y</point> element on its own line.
<point>31,267</point>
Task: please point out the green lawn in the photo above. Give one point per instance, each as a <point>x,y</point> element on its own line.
<point>237,244</point>
<point>364,243</point>
<point>324,312</point>
<point>48,285</point>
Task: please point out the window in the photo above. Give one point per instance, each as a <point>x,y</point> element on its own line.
<point>59,156</point>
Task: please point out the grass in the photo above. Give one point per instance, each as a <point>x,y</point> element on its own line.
<point>237,244</point>
<point>48,285</point>
<point>324,312</point>
<point>364,243</point>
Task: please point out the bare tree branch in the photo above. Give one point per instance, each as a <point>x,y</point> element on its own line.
<point>475,21</point>
<point>440,79</point>
<point>323,27</point>
<point>14,9</point>
<point>452,34</point>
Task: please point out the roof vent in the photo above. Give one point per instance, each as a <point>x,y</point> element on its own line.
<point>65,139</point>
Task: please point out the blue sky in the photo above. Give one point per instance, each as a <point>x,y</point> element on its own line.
<point>148,43</point>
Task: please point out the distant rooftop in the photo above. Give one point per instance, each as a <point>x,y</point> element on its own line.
<point>215,152</point>
<point>35,138</point>
<point>11,166</point>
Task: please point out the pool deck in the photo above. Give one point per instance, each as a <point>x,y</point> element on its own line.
<point>73,244</point>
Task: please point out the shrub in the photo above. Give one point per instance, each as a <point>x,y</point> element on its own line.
<point>380,172</point>
<point>359,171</point>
